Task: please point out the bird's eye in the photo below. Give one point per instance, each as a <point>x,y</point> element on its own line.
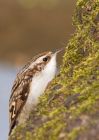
<point>45,59</point>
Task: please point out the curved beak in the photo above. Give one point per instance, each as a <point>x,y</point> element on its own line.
<point>59,50</point>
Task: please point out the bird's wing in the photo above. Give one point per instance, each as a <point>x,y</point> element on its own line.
<point>20,91</point>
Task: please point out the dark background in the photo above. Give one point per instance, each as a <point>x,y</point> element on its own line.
<point>28,27</point>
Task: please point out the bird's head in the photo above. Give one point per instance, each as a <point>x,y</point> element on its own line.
<point>46,60</point>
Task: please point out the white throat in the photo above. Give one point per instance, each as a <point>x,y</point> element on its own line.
<point>40,81</point>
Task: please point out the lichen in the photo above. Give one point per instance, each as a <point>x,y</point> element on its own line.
<point>69,108</point>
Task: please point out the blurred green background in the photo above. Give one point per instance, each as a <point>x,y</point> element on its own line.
<point>28,27</point>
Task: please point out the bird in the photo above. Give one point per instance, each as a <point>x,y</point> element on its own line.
<point>29,85</point>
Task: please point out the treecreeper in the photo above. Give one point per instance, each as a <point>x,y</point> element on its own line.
<point>29,84</point>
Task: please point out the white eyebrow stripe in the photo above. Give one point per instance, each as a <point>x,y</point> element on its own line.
<point>37,61</point>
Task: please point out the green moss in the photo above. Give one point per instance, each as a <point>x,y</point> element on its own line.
<point>74,133</point>
<point>28,136</point>
<point>72,97</point>
<point>45,131</point>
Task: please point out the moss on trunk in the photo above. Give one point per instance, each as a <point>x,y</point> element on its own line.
<point>69,109</point>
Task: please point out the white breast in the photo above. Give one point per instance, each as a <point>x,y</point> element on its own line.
<point>40,81</point>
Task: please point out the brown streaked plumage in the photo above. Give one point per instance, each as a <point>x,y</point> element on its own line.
<point>29,84</point>
<point>21,87</point>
